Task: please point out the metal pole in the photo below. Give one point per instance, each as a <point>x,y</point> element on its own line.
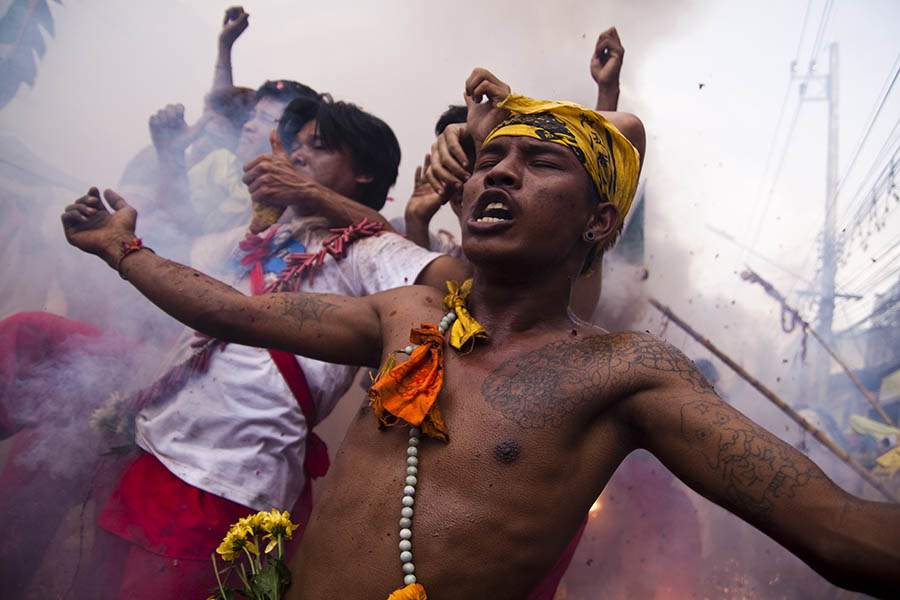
<point>829,250</point>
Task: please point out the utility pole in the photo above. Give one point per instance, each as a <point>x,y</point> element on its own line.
<point>829,250</point>
<point>827,91</point>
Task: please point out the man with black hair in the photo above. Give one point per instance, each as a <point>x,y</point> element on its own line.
<point>226,430</point>
<point>492,450</point>
<point>300,178</point>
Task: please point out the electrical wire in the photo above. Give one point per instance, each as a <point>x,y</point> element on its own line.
<point>876,111</point>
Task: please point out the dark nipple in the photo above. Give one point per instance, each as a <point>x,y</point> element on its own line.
<point>507,451</point>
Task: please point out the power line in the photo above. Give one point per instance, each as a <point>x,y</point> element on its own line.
<point>856,211</point>
<point>802,33</point>
<point>772,145</point>
<point>876,111</point>
<point>820,34</point>
<point>881,275</point>
<point>880,195</point>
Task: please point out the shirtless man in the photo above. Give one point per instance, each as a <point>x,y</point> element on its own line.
<point>539,414</point>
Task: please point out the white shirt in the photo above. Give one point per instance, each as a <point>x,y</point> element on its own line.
<point>237,431</point>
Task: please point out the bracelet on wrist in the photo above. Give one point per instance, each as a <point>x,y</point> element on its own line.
<point>130,247</point>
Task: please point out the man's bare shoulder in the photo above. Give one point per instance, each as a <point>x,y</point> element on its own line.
<point>653,361</point>
<point>541,387</point>
<point>408,301</point>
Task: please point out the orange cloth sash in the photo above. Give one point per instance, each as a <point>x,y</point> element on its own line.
<point>409,390</point>
<point>413,591</point>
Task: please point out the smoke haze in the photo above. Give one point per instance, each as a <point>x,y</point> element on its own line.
<point>708,80</point>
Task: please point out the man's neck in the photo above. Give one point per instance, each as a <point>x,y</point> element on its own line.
<point>510,304</point>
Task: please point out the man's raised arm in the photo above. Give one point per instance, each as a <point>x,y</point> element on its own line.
<point>326,327</point>
<point>737,464</point>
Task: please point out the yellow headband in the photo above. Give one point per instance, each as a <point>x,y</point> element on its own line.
<point>609,158</point>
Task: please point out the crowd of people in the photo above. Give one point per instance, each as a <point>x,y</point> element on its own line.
<point>295,280</point>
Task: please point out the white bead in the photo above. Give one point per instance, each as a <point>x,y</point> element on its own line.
<point>442,329</point>
<point>414,432</point>
<point>412,470</point>
<point>413,441</point>
<point>409,579</point>
<point>406,512</point>
<point>412,461</point>
<point>409,349</point>
<point>406,556</point>
<point>408,500</point>
<point>451,316</point>
<point>412,451</point>
<point>409,490</point>
<point>411,480</point>
<point>405,523</point>
<point>405,545</point>
<point>405,534</point>
<point>408,568</point>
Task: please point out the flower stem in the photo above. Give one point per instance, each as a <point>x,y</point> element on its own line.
<point>216,571</point>
<point>253,569</point>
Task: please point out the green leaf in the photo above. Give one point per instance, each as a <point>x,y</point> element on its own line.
<point>267,582</point>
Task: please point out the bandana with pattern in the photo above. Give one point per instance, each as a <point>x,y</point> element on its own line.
<point>609,158</point>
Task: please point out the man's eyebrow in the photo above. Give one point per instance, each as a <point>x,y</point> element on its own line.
<point>491,147</point>
<point>538,147</point>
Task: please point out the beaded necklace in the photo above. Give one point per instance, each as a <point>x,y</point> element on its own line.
<point>412,471</point>
<point>407,393</point>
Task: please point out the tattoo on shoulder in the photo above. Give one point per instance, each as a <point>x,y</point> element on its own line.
<point>541,387</point>
<point>304,308</point>
<point>757,468</point>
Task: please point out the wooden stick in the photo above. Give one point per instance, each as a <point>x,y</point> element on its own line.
<point>872,400</point>
<point>793,414</point>
<point>753,277</point>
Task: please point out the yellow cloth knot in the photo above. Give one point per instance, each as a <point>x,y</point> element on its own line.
<point>465,328</point>
<point>413,591</point>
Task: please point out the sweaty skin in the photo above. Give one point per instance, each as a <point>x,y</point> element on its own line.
<point>573,407</point>
<point>564,410</point>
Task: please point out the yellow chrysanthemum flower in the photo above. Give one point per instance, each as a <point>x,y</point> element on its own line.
<point>236,540</point>
<point>278,523</point>
<point>255,523</point>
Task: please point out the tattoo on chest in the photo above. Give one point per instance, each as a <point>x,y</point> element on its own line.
<point>304,308</point>
<point>540,388</point>
<point>756,467</point>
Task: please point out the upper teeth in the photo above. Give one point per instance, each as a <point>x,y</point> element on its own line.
<point>492,206</point>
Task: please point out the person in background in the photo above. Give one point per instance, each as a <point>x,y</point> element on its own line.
<point>234,435</point>
<point>506,443</point>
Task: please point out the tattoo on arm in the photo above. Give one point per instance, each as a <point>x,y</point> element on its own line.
<point>757,468</point>
<point>304,308</point>
<point>541,387</point>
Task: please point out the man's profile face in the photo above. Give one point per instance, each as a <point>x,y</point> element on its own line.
<point>526,197</point>
<point>331,167</point>
<point>254,138</point>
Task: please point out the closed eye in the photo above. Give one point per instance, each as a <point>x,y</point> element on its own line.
<point>486,162</point>
<point>544,164</point>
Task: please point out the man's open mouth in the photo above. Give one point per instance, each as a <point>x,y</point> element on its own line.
<point>494,212</point>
